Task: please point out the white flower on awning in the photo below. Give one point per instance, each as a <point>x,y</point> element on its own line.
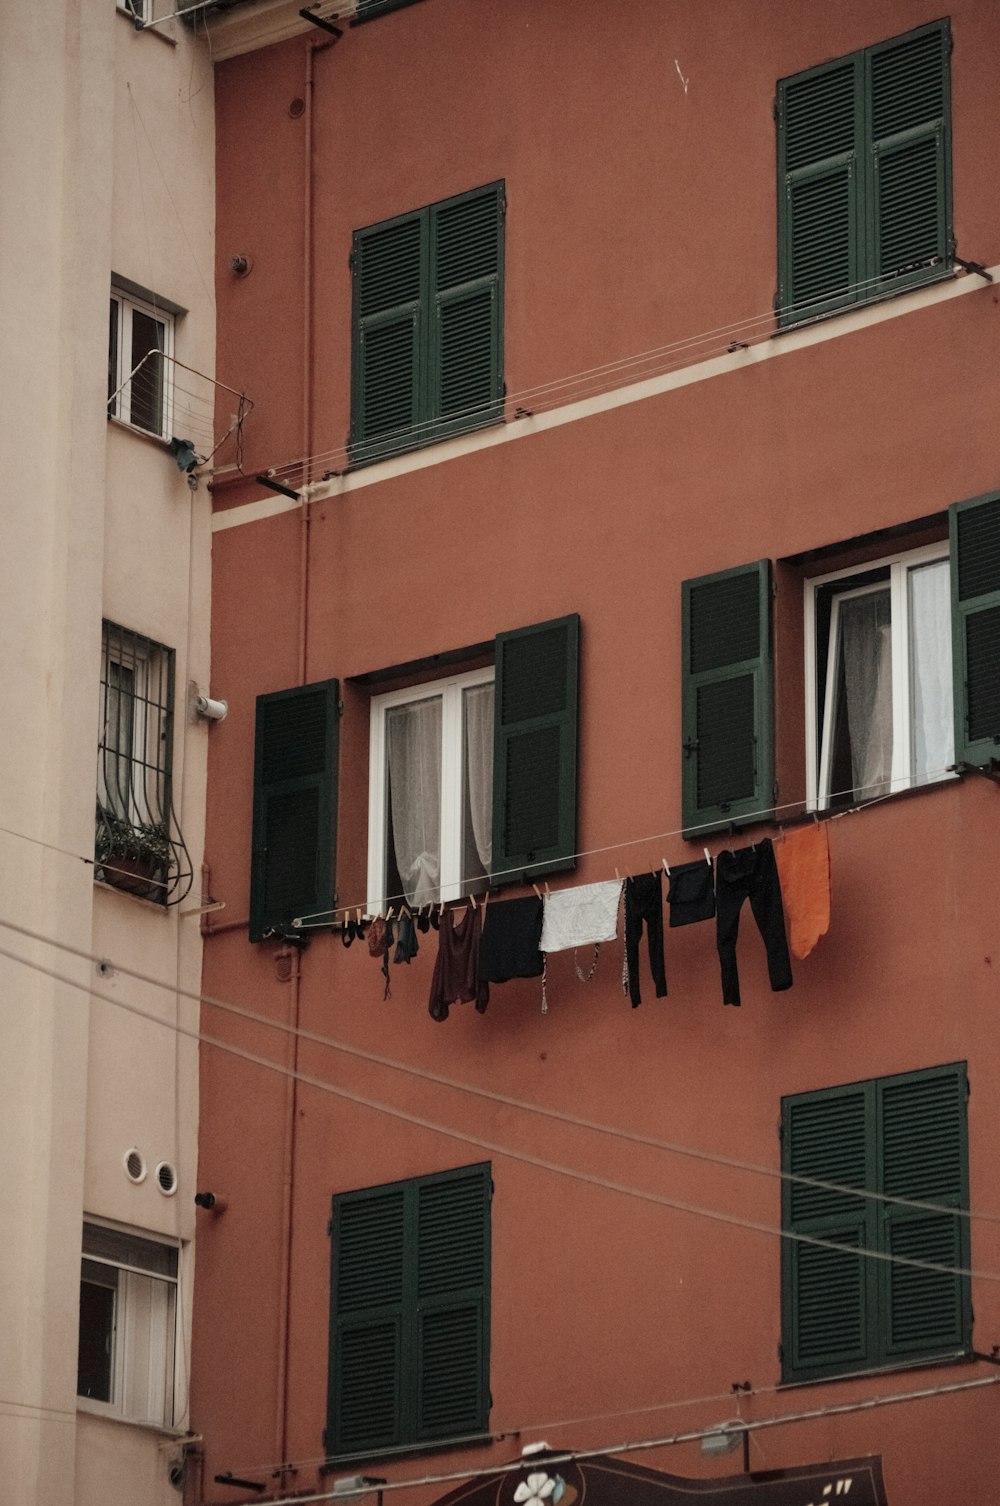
<point>540,1490</point>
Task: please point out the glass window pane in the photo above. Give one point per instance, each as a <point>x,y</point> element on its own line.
<point>861,765</point>
<point>413,839</point>
<point>146,400</point>
<point>113,377</point>
<point>98,1299</point>
<point>933,731</point>
<point>477,785</point>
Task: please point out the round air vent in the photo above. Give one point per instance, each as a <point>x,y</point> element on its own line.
<point>135,1165</point>
<point>166,1178</point>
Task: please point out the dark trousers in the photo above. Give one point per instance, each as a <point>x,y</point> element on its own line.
<point>750,872</point>
<point>644,902</point>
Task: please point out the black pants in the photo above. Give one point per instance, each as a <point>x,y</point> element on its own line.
<point>644,902</point>
<point>751,871</point>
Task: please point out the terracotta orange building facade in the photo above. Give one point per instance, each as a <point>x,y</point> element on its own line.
<point>621,492</point>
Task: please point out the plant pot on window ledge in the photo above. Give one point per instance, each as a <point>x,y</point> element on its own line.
<point>133,858</point>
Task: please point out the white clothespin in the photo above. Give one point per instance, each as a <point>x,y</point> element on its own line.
<point>708,856</point>
<point>666,867</point>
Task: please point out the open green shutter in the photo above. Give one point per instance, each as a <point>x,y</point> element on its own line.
<point>909,124</point>
<point>534,750</point>
<point>975,600</point>
<point>924,1156</point>
<point>367,1321</point>
<point>452,1304</point>
<point>294,806</point>
<point>819,190</point>
<point>827,1296</point>
<point>466,310</point>
<point>389,262</point>
<point>727,768</point>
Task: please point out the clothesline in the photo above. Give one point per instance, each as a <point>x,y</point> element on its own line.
<point>326,919</point>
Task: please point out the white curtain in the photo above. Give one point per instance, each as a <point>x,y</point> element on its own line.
<point>413,736</point>
<point>930,671</point>
<point>866,647</point>
<point>479,764</point>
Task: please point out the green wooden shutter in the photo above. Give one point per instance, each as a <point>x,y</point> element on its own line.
<point>410,1312</point>
<point>367,1320</point>
<point>924,1155</point>
<point>820,190</point>
<point>389,262</point>
<point>369,9</point>
<point>452,1304</point>
<point>727,769</point>
<point>466,316</point>
<point>294,807</point>
<point>534,750</point>
<point>975,598</point>
<point>909,124</point>
<point>827,1316</point>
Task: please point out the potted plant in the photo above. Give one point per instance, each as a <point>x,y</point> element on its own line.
<point>134,856</point>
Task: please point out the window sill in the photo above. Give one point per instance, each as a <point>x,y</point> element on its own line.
<point>404,447</point>
<point>883,295</point>
<point>107,1413</point>
<point>937,1362</point>
<point>156,905</point>
<point>412,1450</point>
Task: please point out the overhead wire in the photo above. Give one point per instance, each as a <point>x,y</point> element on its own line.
<point>505,1100</point>
<point>481,1142</point>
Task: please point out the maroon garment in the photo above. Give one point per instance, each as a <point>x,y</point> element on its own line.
<point>456,971</point>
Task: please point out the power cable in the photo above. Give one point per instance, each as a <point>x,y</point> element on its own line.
<point>480,1142</point>
<point>505,1100</point>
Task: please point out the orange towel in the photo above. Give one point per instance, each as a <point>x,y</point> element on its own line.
<point>803,859</point>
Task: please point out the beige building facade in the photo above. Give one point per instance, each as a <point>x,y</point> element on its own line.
<point>106,251</point>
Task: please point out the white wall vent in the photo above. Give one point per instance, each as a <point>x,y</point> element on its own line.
<point>166,1178</point>
<point>135,1165</point>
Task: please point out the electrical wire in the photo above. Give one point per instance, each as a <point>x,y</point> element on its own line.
<point>707,828</point>
<point>571,1456</point>
<point>480,1142</point>
<point>505,1100</point>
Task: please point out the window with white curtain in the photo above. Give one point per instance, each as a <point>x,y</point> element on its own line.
<point>431,791</point>
<point>128,1318</point>
<point>879,678</point>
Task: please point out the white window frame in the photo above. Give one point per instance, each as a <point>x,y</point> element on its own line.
<point>120,399</point>
<point>902,776</point>
<point>451,691</point>
<point>136,10</point>
<point>134,1290</point>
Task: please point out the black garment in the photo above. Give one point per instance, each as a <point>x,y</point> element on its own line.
<point>406,939</point>
<point>509,945</point>
<point>750,871</point>
<point>644,902</point>
<point>690,894</point>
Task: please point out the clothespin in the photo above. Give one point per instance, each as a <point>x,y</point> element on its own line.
<point>666,867</point>
<point>486,900</point>
<point>708,857</point>
<point>472,901</point>
<point>389,913</point>
<point>357,915</point>
<point>537,890</point>
<point>618,875</point>
<point>548,893</point>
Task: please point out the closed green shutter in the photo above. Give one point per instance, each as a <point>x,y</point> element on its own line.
<point>294,807</point>
<point>466,276</point>
<point>975,597</point>
<point>427,357</point>
<point>409,1313</point>
<point>924,1156</point>
<point>534,750</point>
<point>899,1137</point>
<point>864,162</point>
<point>828,1136</point>
<point>369,9</point>
<point>389,264</point>
<point>727,767</point>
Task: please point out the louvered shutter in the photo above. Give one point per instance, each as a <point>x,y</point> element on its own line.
<point>534,750</point>
<point>820,190</point>
<point>390,271</point>
<point>975,597</point>
<point>465,381</point>
<point>826,1295</point>
<point>409,1313</point>
<point>369,9</point>
<point>909,123</point>
<point>367,1321</point>
<point>924,1156</point>
<point>727,768</point>
<point>452,1304</point>
<point>294,809</point>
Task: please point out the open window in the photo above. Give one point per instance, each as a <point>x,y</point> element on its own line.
<point>140,345</point>
<point>880,702</point>
<point>128,1319</point>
